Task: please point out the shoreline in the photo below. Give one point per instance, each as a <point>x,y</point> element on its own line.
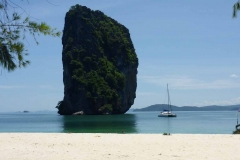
<point>70,146</point>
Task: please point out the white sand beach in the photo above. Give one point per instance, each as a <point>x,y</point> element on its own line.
<point>70,146</point>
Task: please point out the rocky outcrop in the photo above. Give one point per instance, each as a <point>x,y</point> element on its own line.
<point>99,64</point>
<point>78,113</point>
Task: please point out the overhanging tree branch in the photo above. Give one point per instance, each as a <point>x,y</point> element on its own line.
<point>12,35</point>
<point>236,7</point>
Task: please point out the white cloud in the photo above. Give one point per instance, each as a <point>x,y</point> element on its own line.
<point>46,86</point>
<point>234,76</point>
<point>146,93</point>
<point>11,87</point>
<point>232,101</point>
<point>186,82</point>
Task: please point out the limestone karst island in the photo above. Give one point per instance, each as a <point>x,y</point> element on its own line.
<point>99,64</point>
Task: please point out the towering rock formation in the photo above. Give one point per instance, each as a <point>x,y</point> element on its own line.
<point>99,64</point>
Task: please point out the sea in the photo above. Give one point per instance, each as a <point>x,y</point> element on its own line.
<point>186,122</point>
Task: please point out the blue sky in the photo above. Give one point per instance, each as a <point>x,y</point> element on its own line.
<point>191,45</point>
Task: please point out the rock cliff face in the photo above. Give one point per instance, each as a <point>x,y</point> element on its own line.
<point>99,64</point>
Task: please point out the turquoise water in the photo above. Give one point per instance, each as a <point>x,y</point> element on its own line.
<point>222,122</point>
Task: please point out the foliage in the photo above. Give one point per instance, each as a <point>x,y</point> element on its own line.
<point>97,51</point>
<point>13,30</point>
<point>236,132</point>
<point>165,134</point>
<point>236,7</point>
<point>60,104</point>
<point>106,108</point>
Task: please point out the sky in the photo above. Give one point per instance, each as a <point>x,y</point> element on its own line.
<point>193,46</point>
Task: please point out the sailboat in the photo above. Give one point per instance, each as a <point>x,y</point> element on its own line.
<point>167,113</point>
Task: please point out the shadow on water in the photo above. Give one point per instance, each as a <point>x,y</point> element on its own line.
<point>100,124</point>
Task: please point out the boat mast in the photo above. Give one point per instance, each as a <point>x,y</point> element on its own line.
<point>169,101</point>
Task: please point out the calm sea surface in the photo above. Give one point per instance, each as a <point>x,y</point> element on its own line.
<point>217,122</point>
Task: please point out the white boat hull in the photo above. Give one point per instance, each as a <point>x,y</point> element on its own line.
<point>167,115</point>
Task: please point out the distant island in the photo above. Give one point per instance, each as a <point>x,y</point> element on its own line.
<point>160,107</point>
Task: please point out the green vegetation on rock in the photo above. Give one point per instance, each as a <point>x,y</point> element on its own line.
<point>98,54</point>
